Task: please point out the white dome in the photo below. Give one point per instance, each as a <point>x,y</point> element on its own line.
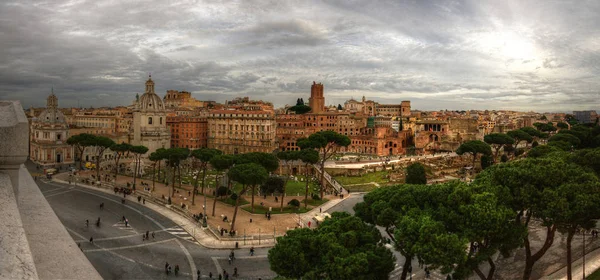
<point>51,116</point>
<point>151,102</point>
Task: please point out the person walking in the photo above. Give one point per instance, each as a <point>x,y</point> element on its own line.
<point>87,223</point>
<point>153,235</point>
<point>252,251</point>
<point>176,269</point>
<point>167,268</point>
<point>235,272</point>
<point>92,239</point>
<point>198,273</point>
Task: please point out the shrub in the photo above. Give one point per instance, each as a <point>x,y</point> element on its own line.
<point>222,191</point>
<point>534,144</point>
<point>316,197</point>
<point>504,158</point>
<point>234,196</point>
<point>294,202</point>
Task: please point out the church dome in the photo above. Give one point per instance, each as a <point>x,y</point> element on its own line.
<point>149,101</point>
<point>51,114</point>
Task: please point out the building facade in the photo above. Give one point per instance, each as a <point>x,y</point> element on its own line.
<point>150,121</point>
<point>48,136</point>
<point>188,131</point>
<point>235,130</point>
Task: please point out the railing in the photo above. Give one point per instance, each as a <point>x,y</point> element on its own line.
<point>332,182</point>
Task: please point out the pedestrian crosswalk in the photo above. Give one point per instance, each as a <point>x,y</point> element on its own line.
<point>121,225</point>
<point>181,233</point>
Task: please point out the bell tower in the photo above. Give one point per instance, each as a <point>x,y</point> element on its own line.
<point>149,85</point>
<point>316,100</point>
<point>52,101</point>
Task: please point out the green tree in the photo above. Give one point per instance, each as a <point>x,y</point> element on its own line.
<point>274,184</point>
<point>80,142</point>
<point>486,161</point>
<point>327,142</point>
<point>541,151</point>
<point>300,109</point>
<point>531,131</point>
<point>526,187</point>
<point>120,150</point>
<point>434,222</point>
<point>221,163</point>
<point>268,161</point>
<point>578,204</point>
<point>155,157</point>
<point>497,141</point>
<point>203,155</point>
<point>562,125</point>
<point>174,157</point>
<point>137,152</point>
<point>571,119</point>
<point>287,157</point>
<point>571,139</point>
<point>474,147</point>
<point>247,174</point>
<point>545,127</point>
<point>520,136</point>
<point>308,157</point>
<point>101,143</point>
<point>415,174</point>
<point>342,247</point>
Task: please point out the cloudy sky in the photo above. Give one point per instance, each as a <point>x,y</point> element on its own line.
<point>521,55</point>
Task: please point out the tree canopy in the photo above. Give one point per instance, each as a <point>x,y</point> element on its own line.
<point>415,174</point>
<point>520,135</point>
<point>268,161</point>
<point>569,138</point>
<point>474,147</point>
<point>498,140</point>
<point>438,223</point>
<point>342,247</point>
<point>531,188</point>
<point>327,142</point>
<point>300,109</point>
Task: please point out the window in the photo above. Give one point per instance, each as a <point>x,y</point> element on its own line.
<point>160,120</point>
<point>149,120</point>
<point>57,136</point>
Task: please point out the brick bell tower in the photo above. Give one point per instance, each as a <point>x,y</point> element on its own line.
<point>316,100</point>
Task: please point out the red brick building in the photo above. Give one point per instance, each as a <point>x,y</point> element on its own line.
<point>188,131</point>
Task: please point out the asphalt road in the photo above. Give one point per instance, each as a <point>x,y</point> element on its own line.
<point>118,251</point>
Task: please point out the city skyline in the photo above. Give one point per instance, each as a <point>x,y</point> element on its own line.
<point>463,55</point>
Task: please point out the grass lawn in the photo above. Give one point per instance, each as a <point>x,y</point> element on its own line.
<point>361,188</point>
<point>313,202</point>
<point>594,276</point>
<point>286,209</point>
<point>377,177</point>
<point>295,188</point>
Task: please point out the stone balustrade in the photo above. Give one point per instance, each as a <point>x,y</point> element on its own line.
<point>34,243</point>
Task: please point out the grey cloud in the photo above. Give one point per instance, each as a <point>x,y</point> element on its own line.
<point>439,54</point>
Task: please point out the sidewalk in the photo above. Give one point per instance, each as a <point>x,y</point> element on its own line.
<point>203,235</point>
<point>592,263</point>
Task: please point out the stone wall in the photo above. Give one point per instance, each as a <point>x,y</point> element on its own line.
<point>34,243</point>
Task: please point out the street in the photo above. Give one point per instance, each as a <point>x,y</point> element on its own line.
<point>118,251</point>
